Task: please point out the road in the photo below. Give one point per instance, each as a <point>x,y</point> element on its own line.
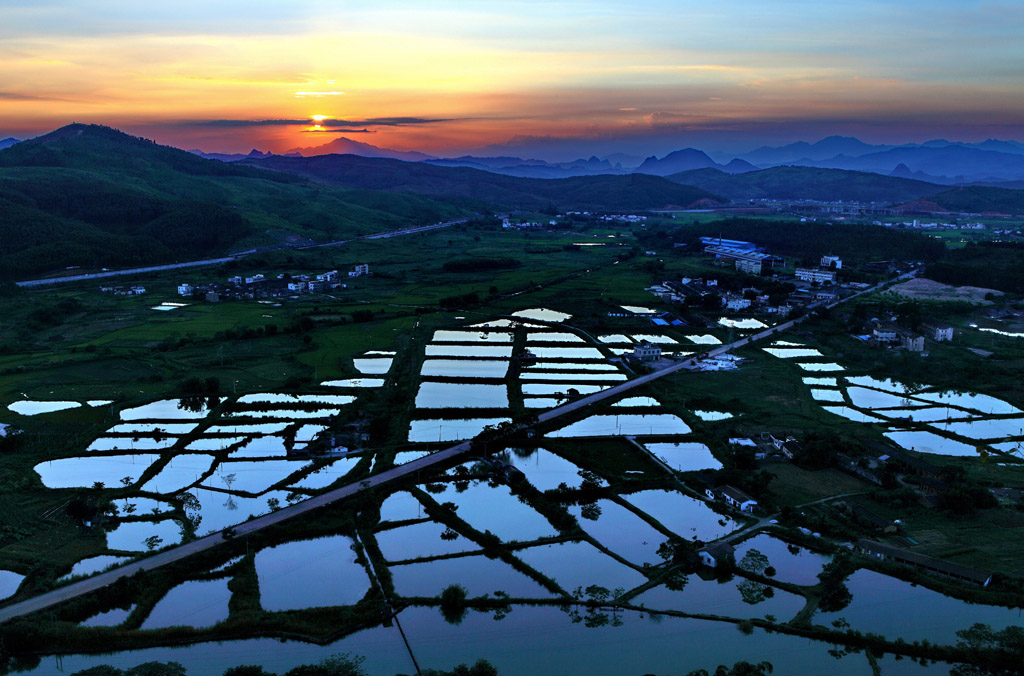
<point>206,543</point>
<point>225,259</point>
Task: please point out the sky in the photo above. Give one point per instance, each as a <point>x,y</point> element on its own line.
<point>540,78</point>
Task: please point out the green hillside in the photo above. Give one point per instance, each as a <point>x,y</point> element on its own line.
<point>475,187</point>
<point>94,197</point>
<point>982,199</point>
<point>795,183</point>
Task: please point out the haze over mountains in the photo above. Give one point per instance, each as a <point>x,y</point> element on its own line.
<point>938,161</point>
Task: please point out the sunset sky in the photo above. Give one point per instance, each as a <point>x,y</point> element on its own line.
<point>539,78</point>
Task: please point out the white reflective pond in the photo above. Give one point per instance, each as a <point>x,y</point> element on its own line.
<point>196,603</point>
<point>851,414</point>
<point>746,323</point>
<point>287,414</point>
<point>94,564</point>
<point>262,447</point>
<point>985,429</point>
<point>712,416</point>
<point>927,442</point>
<point>865,398</point>
<point>639,309</point>
<point>247,428</point>
<point>373,365</point>
<point>132,444</point>
<point>552,337</point>
<point>541,402</point>
<point>624,424</point>
<point>572,376</point>
<point>85,472</point>
<point>326,475</point>
<point>9,583</point>
<point>685,456</point>
<point>180,472</point>
<point>571,366</point>
<point>214,443</point>
<point>422,540</point>
<point>545,470</point>
<point>706,339</point>
<point>131,536</point>
<point>542,314</point>
<point>464,368</point>
<point>310,574</point>
<point>354,382</point>
<point>566,352</point>
<point>219,510</point>
<point>461,395</point>
<point>496,510</point>
<point>37,407</point>
<point>622,532</point>
<point>654,338</point>
<point>831,366</point>
<point>580,564</point>
<point>791,352</point>
<point>280,398</point>
<point>637,402</point>
<point>166,409</point>
<point>252,476</point>
<point>976,402</point>
<point>478,574</point>
<point>560,388</point>
<point>820,382</point>
<point>616,339</point>
<point>447,336</point>
<point>434,430</point>
<point>827,395</point>
<point>150,428</point>
<point>687,517</point>
<point>475,351</point>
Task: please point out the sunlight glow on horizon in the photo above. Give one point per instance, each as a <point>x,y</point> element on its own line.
<point>458,77</point>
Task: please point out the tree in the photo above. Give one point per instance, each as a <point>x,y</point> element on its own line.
<point>453,603</point>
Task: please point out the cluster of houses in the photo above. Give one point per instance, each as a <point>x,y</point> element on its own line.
<point>890,334</point>
<point>123,290</point>
<point>259,286</point>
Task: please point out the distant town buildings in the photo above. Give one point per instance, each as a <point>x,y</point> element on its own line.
<point>123,290</point>
<point>816,275</point>
<point>359,270</point>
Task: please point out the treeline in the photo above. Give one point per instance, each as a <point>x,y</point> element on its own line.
<point>41,232</point>
<point>990,265</point>
<point>481,264</point>
<point>806,240</point>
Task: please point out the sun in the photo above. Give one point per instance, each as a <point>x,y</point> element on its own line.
<point>318,120</point>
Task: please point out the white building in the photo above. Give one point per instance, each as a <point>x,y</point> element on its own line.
<point>939,332</point>
<point>828,261</point>
<point>737,303</point>
<point>738,499</point>
<point>360,270</point>
<point>185,290</point>
<point>815,275</point>
<point>646,352</point>
<point>715,555</point>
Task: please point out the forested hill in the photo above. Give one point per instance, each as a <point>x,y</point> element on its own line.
<point>796,183</point>
<point>92,196</point>
<point>604,192</point>
<point>981,199</point>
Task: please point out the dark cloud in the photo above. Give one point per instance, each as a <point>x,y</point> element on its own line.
<point>15,96</point>
<point>338,131</point>
<point>371,122</point>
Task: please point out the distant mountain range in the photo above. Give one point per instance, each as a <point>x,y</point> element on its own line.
<point>8,142</point>
<point>939,161</point>
<point>479,188</point>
